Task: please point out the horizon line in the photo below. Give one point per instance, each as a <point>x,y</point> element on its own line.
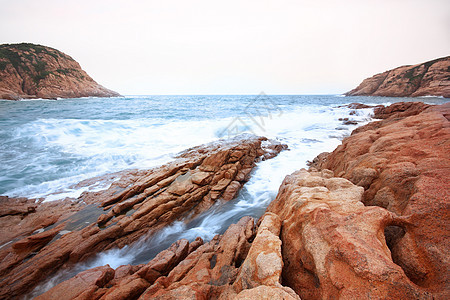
<point>333,94</point>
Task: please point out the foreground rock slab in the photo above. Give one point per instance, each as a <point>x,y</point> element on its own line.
<point>137,205</point>
<point>243,263</point>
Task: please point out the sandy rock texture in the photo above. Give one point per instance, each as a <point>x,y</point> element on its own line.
<point>136,205</point>
<point>403,166</point>
<point>429,78</point>
<point>34,71</point>
<point>333,246</point>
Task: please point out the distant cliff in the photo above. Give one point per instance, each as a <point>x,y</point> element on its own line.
<point>429,78</point>
<point>35,71</point>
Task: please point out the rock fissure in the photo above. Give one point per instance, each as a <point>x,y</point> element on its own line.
<point>156,198</point>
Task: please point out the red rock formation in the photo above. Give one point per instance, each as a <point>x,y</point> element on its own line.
<point>429,78</point>
<point>399,110</point>
<point>83,286</point>
<point>35,71</point>
<point>140,203</point>
<point>404,166</point>
<point>236,265</point>
<point>20,217</point>
<point>334,246</point>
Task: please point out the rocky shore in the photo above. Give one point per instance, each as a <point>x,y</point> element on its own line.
<point>30,71</point>
<point>431,78</point>
<point>135,206</point>
<point>366,221</point>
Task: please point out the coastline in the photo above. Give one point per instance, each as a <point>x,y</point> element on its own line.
<point>281,281</point>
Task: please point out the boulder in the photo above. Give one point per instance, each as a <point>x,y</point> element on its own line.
<point>333,245</point>
<point>403,165</point>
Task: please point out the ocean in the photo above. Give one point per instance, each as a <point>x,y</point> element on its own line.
<point>48,146</point>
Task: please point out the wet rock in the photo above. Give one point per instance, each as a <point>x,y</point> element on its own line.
<point>36,241</point>
<point>128,288</point>
<point>318,161</point>
<point>124,271</point>
<point>126,282</point>
<point>358,106</point>
<point>23,235</point>
<point>272,149</point>
<point>210,269</point>
<point>140,203</point>
<point>240,264</point>
<point>400,110</point>
<point>19,217</point>
<point>82,286</point>
<point>175,272</point>
<point>347,121</point>
<point>239,260</point>
<point>231,190</point>
<point>165,261</point>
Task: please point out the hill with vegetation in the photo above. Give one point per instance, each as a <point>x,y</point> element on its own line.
<point>33,71</point>
<point>431,78</point>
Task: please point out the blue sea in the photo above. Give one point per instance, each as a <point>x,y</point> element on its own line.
<point>48,146</point>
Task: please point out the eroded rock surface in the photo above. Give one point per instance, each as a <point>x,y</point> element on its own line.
<point>240,264</point>
<point>334,246</point>
<point>429,78</point>
<point>403,166</point>
<point>137,205</point>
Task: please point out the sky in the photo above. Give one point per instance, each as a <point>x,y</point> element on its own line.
<point>176,47</point>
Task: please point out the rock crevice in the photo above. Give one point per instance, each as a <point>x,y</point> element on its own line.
<point>134,207</point>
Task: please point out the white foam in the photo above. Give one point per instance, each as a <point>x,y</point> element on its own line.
<point>105,146</point>
<point>431,96</point>
<point>117,257</point>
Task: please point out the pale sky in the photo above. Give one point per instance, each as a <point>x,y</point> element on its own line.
<point>232,47</point>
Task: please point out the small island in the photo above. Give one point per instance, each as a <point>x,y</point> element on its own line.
<point>29,71</point>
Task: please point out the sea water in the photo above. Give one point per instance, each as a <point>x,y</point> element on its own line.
<point>48,146</point>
